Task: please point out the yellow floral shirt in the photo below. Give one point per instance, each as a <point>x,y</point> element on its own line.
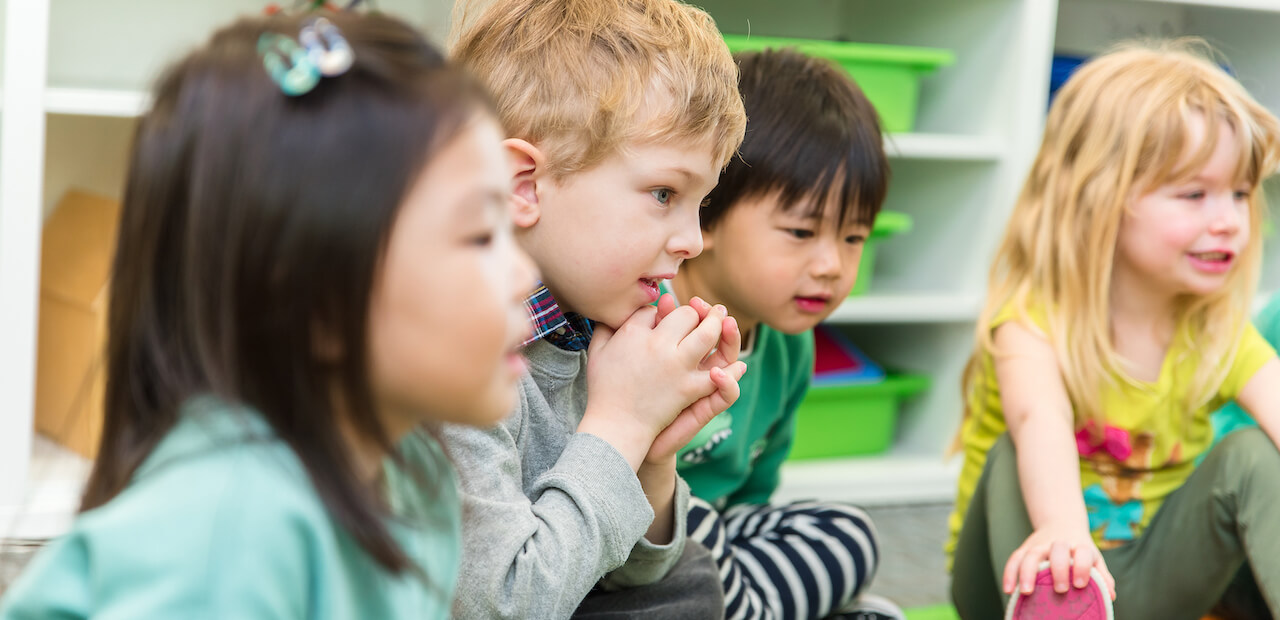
<point>1146,451</point>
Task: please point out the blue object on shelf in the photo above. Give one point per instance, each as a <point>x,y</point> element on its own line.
<point>1061,69</point>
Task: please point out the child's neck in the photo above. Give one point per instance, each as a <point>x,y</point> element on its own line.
<point>366,455</point>
<point>1142,326</point>
<point>691,281</point>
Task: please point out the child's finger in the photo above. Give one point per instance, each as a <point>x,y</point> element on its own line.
<point>1060,566</point>
<point>736,370</point>
<point>678,324</point>
<point>666,304</point>
<point>730,345</point>
<point>1081,563</point>
<point>1027,572</point>
<point>727,390</point>
<point>698,342</point>
<point>1010,579</point>
<point>699,304</point>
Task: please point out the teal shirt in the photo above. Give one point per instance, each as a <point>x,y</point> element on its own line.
<point>736,458</point>
<point>221,521</point>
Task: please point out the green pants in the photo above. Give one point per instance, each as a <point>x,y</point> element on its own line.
<point>1223,521</point>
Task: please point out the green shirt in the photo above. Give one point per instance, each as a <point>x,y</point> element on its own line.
<point>221,521</point>
<point>736,458</point>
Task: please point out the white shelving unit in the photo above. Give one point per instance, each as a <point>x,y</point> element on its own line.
<point>74,75</point>
<point>979,125</point>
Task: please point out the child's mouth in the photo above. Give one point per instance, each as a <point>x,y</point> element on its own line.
<point>651,288</point>
<point>1217,261</point>
<point>811,305</point>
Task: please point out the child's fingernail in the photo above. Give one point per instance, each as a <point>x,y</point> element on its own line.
<point>722,310</point>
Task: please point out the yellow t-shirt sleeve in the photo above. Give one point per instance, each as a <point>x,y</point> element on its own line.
<point>1253,352</point>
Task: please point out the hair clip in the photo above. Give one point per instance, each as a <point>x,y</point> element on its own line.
<point>332,60</point>
<point>287,64</point>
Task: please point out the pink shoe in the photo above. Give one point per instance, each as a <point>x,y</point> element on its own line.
<point>1088,603</point>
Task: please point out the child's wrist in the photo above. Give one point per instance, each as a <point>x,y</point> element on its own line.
<point>628,437</point>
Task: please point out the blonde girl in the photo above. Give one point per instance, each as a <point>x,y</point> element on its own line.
<point>1116,321</point>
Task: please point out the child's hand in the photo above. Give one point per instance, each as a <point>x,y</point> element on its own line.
<point>687,424</point>
<point>723,369</point>
<point>730,345</point>
<point>1065,548</point>
<point>646,373</point>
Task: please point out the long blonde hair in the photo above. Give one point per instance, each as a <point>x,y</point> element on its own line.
<point>1119,128</point>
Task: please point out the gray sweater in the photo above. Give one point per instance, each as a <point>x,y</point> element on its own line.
<point>548,512</point>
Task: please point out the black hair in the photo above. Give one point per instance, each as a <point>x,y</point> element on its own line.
<point>810,132</point>
<point>254,221</point>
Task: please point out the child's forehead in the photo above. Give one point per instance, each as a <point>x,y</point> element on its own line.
<point>818,205</point>
<point>1210,149</point>
<point>681,153</point>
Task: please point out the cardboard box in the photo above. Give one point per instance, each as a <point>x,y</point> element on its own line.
<point>78,246</point>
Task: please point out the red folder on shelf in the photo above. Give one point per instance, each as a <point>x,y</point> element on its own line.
<point>837,361</point>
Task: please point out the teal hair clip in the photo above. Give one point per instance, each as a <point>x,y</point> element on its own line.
<point>288,64</point>
<point>333,56</point>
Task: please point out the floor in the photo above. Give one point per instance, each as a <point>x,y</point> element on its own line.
<point>913,568</point>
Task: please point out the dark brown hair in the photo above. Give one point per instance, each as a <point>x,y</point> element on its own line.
<point>810,132</point>
<point>253,221</point>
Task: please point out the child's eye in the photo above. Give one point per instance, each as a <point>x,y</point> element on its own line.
<point>663,195</point>
<point>855,239</point>
<point>483,240</point>
<point>1194,195</point>
<point>799,233</point>
<point>1242,195</point>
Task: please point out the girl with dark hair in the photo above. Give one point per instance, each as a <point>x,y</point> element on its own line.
<point>314,260</point>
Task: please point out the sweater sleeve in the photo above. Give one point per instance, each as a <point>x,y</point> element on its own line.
<point>648,563</point>
<point>537,555</point>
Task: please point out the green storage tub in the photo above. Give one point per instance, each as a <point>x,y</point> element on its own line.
<point>888,223</point>
<point>851,420</point>
<point>888,74</point>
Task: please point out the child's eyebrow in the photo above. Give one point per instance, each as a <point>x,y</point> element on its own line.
<point>689,176</point>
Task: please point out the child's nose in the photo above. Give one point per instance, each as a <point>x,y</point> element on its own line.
<point>686,240</point>
<point>826,261</point>
<point>1228,216</point>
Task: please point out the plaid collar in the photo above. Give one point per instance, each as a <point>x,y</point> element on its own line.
<point>566,330</point>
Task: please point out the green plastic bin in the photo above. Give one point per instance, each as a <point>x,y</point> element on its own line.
<point>888,224</point>
<point>888,74</point>
<point>851,420</point>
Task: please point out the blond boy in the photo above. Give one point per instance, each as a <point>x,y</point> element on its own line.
<point>621,114</point>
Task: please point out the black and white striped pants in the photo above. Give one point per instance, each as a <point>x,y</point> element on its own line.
<point>790,561</point>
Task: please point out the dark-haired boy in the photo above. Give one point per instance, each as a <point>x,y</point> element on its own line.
<point>783,233</point>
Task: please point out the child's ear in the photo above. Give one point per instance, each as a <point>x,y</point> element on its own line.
<point>528,168</point>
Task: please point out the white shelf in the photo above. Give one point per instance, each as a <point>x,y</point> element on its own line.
<point>933,146</point>
<point>907,308</point>
<point>871,481</point>
<point>47,508</point>
<point>91,102</point>
<point>1272,6</point>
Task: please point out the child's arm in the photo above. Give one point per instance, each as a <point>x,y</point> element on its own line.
<point>1261,398</point>
<point>1039,415</point>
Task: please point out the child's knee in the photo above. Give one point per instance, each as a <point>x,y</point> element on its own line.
<point>1247,454</point>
